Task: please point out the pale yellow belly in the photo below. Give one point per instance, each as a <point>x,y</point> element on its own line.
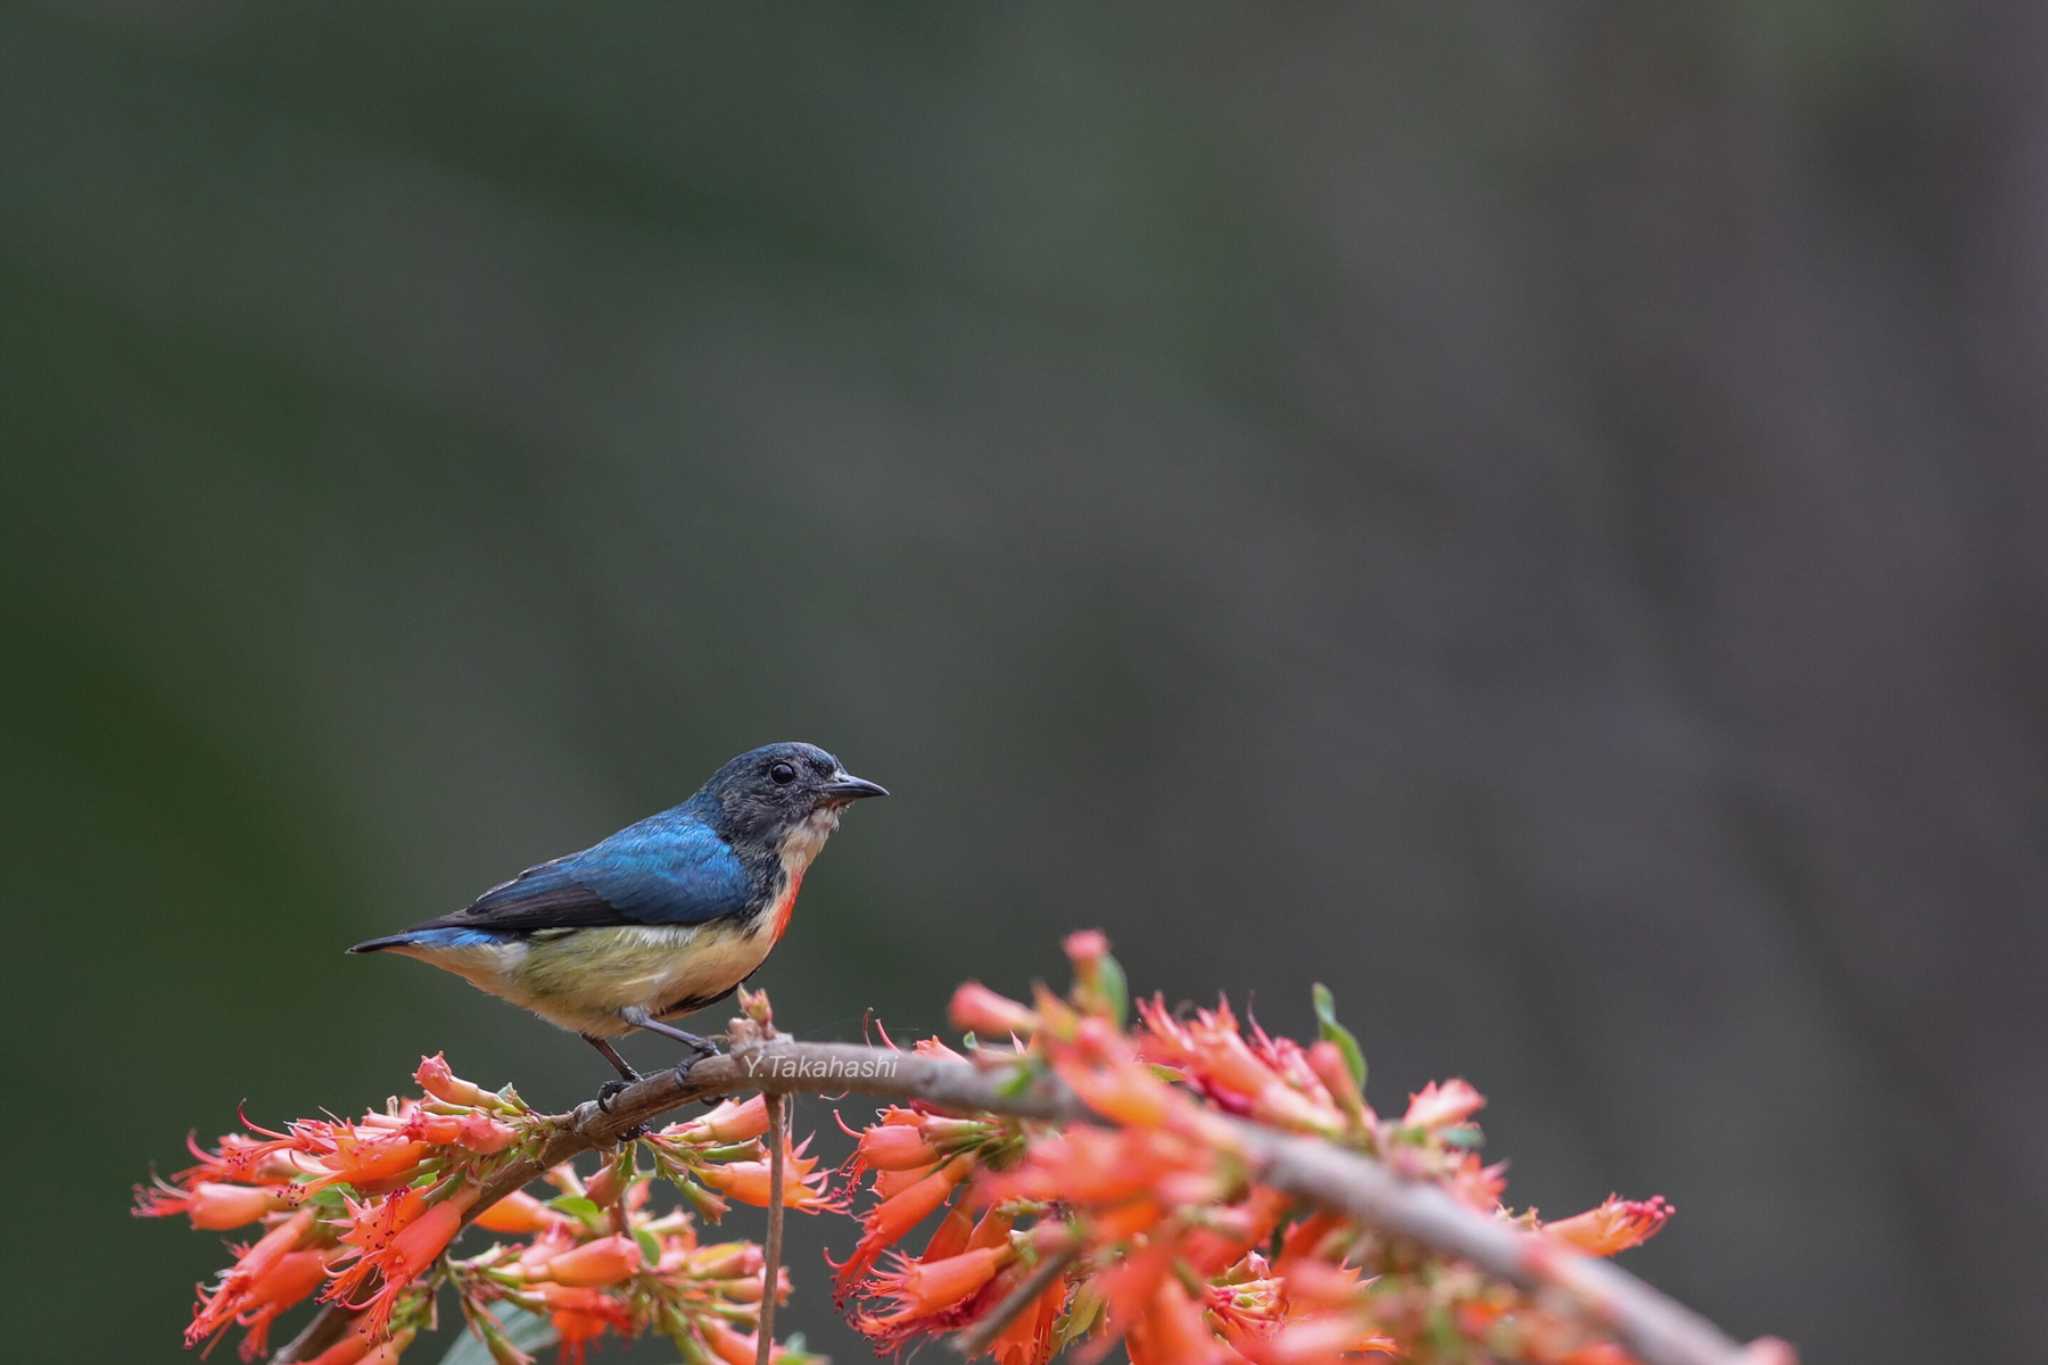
<point>584,979</point>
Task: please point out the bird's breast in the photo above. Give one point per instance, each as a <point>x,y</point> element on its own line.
<point>778,915</point>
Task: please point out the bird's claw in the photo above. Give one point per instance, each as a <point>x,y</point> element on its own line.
<point>610,1091</point>
<point>701,1049</point>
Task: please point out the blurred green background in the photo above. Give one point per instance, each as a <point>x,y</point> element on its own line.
<point>1531,515</point>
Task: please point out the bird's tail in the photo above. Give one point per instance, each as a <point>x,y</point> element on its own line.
<point>373,945</point>
<point>428,936</point>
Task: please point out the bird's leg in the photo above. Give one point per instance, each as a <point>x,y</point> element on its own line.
<point>703,1047</point>
<point>609,1091</point>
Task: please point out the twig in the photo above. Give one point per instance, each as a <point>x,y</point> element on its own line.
<point>1657,1329</point>
<point>978,1338</point>
<point>771,1252</point>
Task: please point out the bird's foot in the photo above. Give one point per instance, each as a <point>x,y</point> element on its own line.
<point>700,1049</point>
<point>610,1091</point>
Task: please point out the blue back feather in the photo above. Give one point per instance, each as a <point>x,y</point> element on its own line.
<point>669,869</point>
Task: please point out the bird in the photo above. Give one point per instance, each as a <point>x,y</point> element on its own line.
<point>659,920</point>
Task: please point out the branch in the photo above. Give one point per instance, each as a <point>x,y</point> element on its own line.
<point>1657,1329</point>
<point>978,1338</point>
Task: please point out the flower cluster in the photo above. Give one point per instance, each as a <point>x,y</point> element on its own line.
<point>1149,1228</point>
<point>1141,1218</point>
<point>362,1214</point>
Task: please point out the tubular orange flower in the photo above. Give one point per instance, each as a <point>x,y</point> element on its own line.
<point>1476,1184</point>
<point>953,1235</point>
<point>729,1346</point>
<point>370,1161</point>
<point>1331,1068</point>
<point>1322,1339</point>
<point>1172,1331</point>
<point>893,1147</point>
<point>484,1135</point>
<point>885,1225</point>
<point>1110,1078</point>
<point>1226,1240</point>
<point>518,1213</point>
<point>213,1206</point>
<point>737,1120</point>
<point>920,1290</point>
<point>575,1330</point>
<point>977,1009</point>
<point>596,1264</point>
<point>1439,1106</point>
<point>353,1346</point>
<point>751,1181</point>
<point>438,1079</point>
<point>398,1248</point>
<point>581,1315</point>
<point>290,1280</point>
<point>236,1289</point>
<point>1614,1225</point>
<point>391,1350</point>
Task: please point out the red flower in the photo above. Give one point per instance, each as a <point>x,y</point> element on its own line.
<point>1614,1225</point>
<point>885,1225</point>
<point>750,1182</point>
<point>396,1238</point>
<point>518,1213</point>
<point>922,1290</point>
<point>1439,1106</point>
<point>238,1290</point>
<point>596,1264</point>
<point>214,1205</point>
<point>977,1009</point>
<point>438,1079</point>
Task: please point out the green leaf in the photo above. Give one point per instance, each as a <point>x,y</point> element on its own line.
<point>580,1207</point>
<point>1020,1080</point>
<point>1466,1137</point>
<point>1334,1032</point>
<point>650,1246</point>
<point>528,1331</point>
<point>1086,1307</point>
<point>1116,990</point>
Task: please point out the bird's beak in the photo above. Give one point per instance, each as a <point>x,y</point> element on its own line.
<point>847,787</point>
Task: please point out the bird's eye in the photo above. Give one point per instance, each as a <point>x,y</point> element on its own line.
<point>783,773</point>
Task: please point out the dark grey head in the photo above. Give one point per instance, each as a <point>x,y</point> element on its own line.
<point>766,793</point>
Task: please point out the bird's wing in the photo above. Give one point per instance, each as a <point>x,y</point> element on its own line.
<point>664,870</point>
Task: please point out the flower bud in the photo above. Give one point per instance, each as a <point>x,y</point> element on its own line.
<point>979,1010</point>
<point>438,1079</point>
<point>596,1264</point>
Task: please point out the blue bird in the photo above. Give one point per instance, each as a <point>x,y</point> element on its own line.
<point>661,919</point>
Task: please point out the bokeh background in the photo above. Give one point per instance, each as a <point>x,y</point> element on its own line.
<point>1530,514</point>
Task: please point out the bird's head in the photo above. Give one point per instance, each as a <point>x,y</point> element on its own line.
<point>786,797</point>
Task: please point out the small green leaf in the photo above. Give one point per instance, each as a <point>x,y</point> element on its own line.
<point>650,1246</point>
<point>1466,1136</point>
<point>1021,1078</point>
<point>580,1207</point>
<point>1116,990</point>
<point>1086,1307</point>
<point>1334,1032</point>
